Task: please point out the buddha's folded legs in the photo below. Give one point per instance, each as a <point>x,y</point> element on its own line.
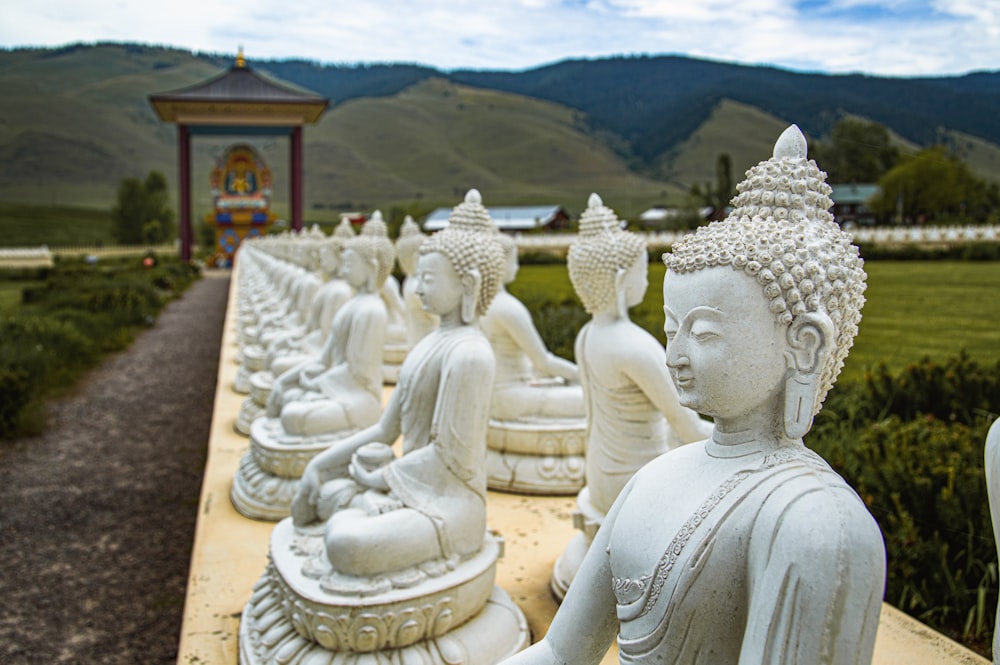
<point>361,544</point>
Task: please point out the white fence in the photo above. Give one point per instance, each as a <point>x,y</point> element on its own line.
<point>42,257</point>
<point>917,235</point>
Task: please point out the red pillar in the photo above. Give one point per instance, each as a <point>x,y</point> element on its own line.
<point>184,185</point>
<point>296,170</point>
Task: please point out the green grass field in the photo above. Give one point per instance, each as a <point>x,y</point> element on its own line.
<point>55,226</point>
<point>914,309</point>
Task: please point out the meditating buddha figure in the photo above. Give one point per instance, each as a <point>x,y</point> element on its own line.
<point>746,548</point>
<point>302,342</point>
<point>633,413</point>
<point>393,552</point>
<point>324,398</point>
<point>419,322</point>
<point>395,330</point>
<point>537,417</point>
<point>341,390</point>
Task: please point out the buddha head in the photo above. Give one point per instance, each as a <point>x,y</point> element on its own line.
<point>344,230</point>
<point>407,245</point>
<point>470,246</point>
<point>768,300</point>
<point>330,251</point>
<point>607,264</point>
<point>369,256</point>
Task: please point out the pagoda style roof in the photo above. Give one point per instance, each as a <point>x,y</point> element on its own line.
<point>240,96</point>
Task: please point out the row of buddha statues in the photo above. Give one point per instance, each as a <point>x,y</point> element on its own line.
<point>708,532</point>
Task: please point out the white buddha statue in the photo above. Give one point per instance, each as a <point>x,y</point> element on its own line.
<point>419,322</point>
<point>537,418</point>
<point>993,490</point>
<point>389,553</point>
<point>302,342</point>
<point>324,398</point>
<point>632,407</point>
<point>396,344</point>
<point>746,548</point>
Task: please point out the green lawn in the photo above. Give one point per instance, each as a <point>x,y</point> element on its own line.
<point>10,294</point>
<point>914,309</point>
<point>55,226</point>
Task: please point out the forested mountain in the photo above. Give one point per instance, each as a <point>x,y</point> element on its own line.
<point>639,128</point>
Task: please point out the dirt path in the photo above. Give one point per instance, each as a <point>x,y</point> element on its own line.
<point>97,514</point>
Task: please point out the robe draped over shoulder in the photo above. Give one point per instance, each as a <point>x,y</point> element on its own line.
<point>781,564</point>
<point>624,431</point>
<point>445,386</point>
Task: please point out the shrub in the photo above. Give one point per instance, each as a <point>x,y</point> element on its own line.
<point>911,444</point>
<point>65,326</point>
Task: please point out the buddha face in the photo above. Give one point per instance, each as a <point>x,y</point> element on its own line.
<point>329,258</point>
<point>511,266</point>
<point>725,350</point>
<point>637,281</point>
<point>354,269</point>
<point>438,285</point>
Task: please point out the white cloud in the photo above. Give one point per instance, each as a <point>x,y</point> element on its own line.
<point>917,37</point>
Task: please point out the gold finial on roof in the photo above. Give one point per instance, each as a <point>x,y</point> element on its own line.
<point>240,60</point>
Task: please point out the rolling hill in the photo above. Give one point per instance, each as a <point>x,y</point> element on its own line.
<point>75,121</point>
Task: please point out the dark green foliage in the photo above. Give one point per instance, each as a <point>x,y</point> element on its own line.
<point>64,327</point>
<point>911,443</point>
<point>558,323</point>
<point>142,213</point>
<point>856,152</point>
<point>932,184</point>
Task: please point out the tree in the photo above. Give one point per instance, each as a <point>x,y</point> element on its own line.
<point>141,214</point>
<point>857,152</point>
<point>933,184</point>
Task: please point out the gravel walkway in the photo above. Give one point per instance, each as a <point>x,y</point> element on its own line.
<point>97,514</point>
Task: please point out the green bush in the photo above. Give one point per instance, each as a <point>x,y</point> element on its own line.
<point>911,443</point>
<point>63,328</point>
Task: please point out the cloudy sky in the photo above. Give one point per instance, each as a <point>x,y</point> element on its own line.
<point>893,37</point>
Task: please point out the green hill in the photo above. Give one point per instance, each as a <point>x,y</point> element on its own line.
<point>75,121</point>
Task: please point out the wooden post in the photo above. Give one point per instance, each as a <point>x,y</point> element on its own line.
<point>184,186</point>
<point>296,171</point>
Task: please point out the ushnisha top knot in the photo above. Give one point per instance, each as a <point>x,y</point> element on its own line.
<point>344,230</point>
<point>470,242</point>
<point>597,218</point>
<point>374,245</point>
<point>782,234</point>
<point>601,249</point>
<point>409,240</point>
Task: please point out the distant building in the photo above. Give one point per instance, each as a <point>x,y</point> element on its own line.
<point>850,204</point>
<point>662,217</point>
<point>516,219</point>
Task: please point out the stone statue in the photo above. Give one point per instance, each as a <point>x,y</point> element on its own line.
<point>745,548</point>
<point>324,398</point>
<point>298,344</point>
<point>537,418</point>
<point>993,490</point>
<point>632,407</point>
<point>396,345</point>
<point>419,322</point>
<point>388,553</point>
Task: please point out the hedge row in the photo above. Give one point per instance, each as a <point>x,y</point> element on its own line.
<point>64,327</point>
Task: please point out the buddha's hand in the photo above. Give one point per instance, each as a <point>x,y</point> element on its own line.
<point>371,478</point>
<point>304,503</point>
<point>273,406</point>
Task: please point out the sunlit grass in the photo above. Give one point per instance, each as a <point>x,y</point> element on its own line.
<point>914,309</point>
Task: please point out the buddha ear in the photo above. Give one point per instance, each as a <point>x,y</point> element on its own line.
<point>810,339</point>
<point>372,275</point>
<point>621,307</point>
<point>471,282</point>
